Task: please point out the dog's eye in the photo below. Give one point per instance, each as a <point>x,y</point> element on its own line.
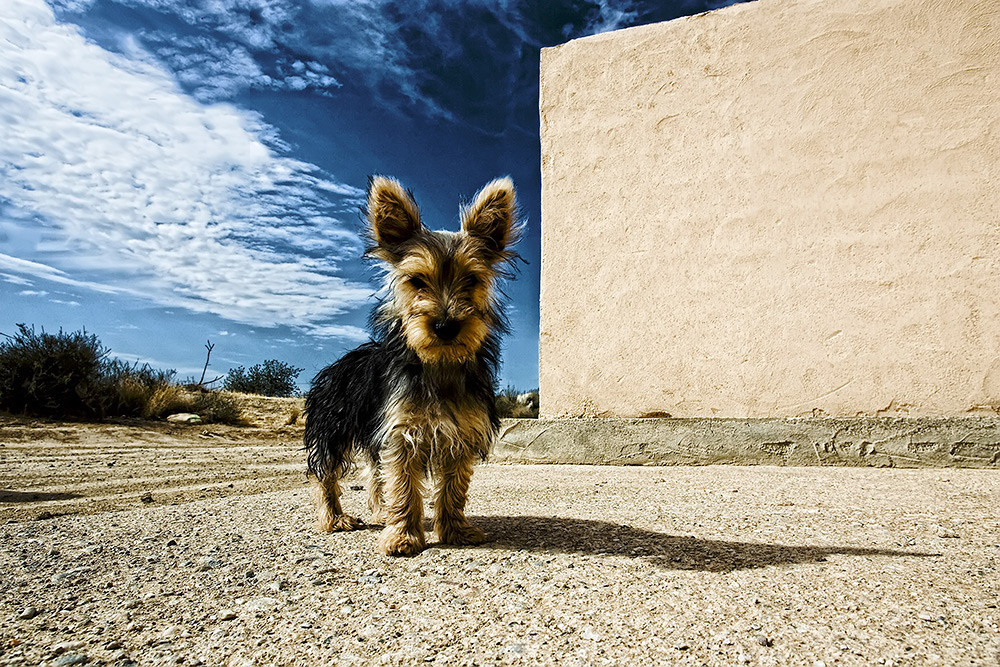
<point>417,283</point>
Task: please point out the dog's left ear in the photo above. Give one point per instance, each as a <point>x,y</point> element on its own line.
<point>491,218</point>
<point>393,218</point>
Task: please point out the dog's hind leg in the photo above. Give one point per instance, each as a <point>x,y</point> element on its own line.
<point>376,493</point>
<point>331,515</point>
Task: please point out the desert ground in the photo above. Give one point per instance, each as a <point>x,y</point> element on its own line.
<point>160,544</point>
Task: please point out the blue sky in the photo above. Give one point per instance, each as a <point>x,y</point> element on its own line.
<point>178,171</point>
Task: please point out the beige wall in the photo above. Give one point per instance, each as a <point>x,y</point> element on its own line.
<point>787,207</point>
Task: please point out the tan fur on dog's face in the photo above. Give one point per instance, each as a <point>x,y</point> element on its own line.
<point>442,283</point>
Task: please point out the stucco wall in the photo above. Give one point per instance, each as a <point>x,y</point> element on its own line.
<point>786,207</point>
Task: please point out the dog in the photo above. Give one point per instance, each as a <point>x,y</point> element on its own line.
<point>418,399</point>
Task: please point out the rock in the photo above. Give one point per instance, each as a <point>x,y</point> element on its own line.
<point>68,646</point>
<point>226,615</point>
<point>184,418</point>
<point>262,604</point>
<point>28,613</point>
<point>72,659</point>
<point>146,498</point>
<point>943,531</point>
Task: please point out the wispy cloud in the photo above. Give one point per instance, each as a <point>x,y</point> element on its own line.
<point>144,190</point>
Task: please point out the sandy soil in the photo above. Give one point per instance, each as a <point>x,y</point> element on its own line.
<point>50,468</point>
<point>717,565</point>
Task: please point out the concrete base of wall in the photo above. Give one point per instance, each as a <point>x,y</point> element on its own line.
<point>972,442</point>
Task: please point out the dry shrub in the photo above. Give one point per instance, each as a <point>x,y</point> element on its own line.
<point>165,401</point>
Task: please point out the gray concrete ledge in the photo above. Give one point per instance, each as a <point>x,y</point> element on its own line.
<point>968,442</point>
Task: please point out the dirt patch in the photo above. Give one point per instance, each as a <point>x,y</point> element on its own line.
<point>50,468</point>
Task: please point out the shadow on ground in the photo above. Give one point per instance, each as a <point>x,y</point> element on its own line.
<point>33,496</point>
<point>579,536</point>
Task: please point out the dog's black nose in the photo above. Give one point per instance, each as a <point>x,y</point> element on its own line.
<point>447,329</point>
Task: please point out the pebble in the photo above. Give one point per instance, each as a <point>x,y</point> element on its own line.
<point>226,615</point>
<point>763,641</point>
<point>263,604</point>
<point>943,532</point>
<point>515,649</point>
<point>72,659</point>
<point>28,613</point>
<point>68,646</point>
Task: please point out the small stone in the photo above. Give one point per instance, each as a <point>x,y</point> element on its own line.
<point>943,531</point>
<point>184,418</point>
<point>763,641</point>
<point>72,659</point>
<point>226,615</point>
<point>263,604</point>
<point>146,497</point>
<point>515,649</point>
<point>28,613</point>
<point>112,645</point>
<point>68,646</point>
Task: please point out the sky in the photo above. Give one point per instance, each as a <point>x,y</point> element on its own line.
<point>174,172</point>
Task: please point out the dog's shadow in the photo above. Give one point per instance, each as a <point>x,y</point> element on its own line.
<point>578,536</point>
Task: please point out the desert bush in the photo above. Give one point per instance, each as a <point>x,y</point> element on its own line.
<point>50,374</point>
<point>127,390</point>
<point>271,378</point>
<point>215,406</point>
<point>167,400</point>
<point>72,375</point>
<point>517,404</point>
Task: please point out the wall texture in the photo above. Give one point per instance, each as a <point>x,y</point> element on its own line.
<point>783,208</point>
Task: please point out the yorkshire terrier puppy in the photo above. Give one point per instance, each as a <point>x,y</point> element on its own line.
<point>418,400</point>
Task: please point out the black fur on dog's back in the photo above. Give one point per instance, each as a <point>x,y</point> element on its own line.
<point>344,409</point>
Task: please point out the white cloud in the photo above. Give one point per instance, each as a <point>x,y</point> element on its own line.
<point>15,280</point>
<point>610,16</point>
<point>146,191</point>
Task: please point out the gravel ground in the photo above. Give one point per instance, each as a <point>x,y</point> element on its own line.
<point>712,565</point>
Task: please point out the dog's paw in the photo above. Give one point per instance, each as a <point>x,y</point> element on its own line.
<point>460,534</point>
<point>333,524</point>
<point>395,541</point>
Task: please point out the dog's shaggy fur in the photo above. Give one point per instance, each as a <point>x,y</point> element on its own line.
<point>418,400</point>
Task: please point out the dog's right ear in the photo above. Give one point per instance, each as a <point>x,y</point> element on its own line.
<point>393,218</point>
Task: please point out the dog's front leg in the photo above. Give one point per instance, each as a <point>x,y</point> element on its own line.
<point>452,491</point>
<point>403,467</point>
